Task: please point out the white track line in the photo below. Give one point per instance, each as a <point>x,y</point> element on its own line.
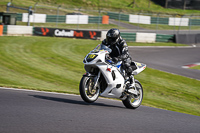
<point>16,89</point>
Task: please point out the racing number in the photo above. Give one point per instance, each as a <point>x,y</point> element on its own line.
<point>138,64</point>
<point>91,56</point>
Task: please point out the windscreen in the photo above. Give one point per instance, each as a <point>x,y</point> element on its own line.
<point>101,47</point>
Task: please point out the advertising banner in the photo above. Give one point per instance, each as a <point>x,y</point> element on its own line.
<point>41,31</point>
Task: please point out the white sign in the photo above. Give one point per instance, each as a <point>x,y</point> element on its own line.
<point>77,19</point>
<point>146,37</point>
<point>178,21</point>
<point>36,18</point>
<point>139,19</point>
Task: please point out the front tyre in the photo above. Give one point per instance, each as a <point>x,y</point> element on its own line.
<point>87,91</point>
<point>132,102</point>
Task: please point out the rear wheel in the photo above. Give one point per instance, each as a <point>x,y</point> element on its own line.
<point>134,102</point>
<point>87,91</point>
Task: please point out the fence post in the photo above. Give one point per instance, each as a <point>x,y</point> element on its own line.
<point>99,18</point>
<point>119,18</point>
<point>180,23</point>
<point>78,18</point>
<point>158,17</point>
<point>184,5</point>
<point>29,13</point>
<point>174,23</point>
<point>138,21</point>
<point>149,4</point>
<point>134,3</point>
<point>57,17</point>
<point>190,23</point>
<point>34,13</point>
<point>166,3</point>
<point>8,5</point>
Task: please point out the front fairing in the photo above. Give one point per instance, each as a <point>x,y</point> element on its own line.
<point>97,55</point>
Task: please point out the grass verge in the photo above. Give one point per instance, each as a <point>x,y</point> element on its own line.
<point>55,64</point>
<point>72,26</point>
<point>195,67</point>
<point>124,5</point>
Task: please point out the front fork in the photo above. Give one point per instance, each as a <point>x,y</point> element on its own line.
<point>96,79</point>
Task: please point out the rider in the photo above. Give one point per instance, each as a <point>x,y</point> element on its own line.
<point>119,52</point>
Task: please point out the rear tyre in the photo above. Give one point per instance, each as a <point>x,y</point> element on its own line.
<point>87,91</point>
<point>133,102</point>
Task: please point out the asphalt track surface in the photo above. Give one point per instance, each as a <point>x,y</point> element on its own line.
<point>41,112</point>
<point>169,59</point>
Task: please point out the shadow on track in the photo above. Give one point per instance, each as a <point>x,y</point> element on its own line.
<point>71,101</point>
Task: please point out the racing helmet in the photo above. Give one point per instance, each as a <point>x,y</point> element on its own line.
<point>112,36</point>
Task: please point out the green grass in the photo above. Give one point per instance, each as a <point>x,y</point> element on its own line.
<point>55,64</point>
<point>195,67</point>
<point>124,5</point>
<point>72,26</point>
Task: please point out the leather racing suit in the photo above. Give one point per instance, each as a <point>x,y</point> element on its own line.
<point>120,53</point>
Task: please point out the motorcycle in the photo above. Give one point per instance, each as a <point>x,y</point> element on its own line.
<point>105,78</point>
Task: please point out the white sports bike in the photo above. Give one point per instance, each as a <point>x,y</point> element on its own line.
<point>107,79</point>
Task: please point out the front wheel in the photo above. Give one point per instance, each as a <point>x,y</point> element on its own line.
<point>134,102</point>
<point>87,91</point>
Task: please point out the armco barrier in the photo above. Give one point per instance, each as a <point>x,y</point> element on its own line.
<point>164,38</point>
<point>5,29</point>
<point>129,37</point>
<point>19,17</point>
<point>156,20</point>
<point>95,19</point>
<point>194,22</point>
<point>118,16</point>
<point>55,18</point>
<point>139,18</point>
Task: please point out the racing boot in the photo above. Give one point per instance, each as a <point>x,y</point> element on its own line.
<point>131,88</point>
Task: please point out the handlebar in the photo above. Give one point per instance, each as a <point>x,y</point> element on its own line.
<point>109,59</point>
